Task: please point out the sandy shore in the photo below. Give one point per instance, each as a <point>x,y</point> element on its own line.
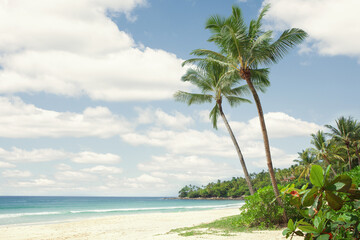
<point>131,227</point>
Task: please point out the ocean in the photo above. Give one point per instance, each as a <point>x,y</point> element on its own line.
<point>37,210</point>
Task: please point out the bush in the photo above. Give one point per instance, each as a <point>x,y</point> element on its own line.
<point>260,209</point>
<point>355,175</point>
<point>330,208</point>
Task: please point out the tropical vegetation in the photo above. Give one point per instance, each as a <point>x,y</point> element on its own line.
<point>321,196</point>
<point>331,152</point>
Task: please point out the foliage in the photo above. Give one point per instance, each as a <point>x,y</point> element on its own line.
<point>330,209</point>
<point>221,189</point>
<point>355,175</point>
<point>261,209</point>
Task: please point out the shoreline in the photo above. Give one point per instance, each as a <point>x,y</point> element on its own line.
<point>154,226</point>
<point>202,198</point>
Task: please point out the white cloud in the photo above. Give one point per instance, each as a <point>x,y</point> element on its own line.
<point>103,170</point>
<point>188,141</point>
<point>91,157</point>
<point>280,160</point>
<point>47,155</point>
<point>16,174</point>
<point>158,117</point>
<point>63,167</point>
<point>278,124</point>
<point>212,143</point>
<point>6,165</point>
<point>188,168</point>
<point>36,155</point>
<point>69,48</point>
<point>329,23</point>
<point>28,121</point>
<point>218,143</point>
<point>70,176</point>
<point>59,25</point>
<point>40,182</point>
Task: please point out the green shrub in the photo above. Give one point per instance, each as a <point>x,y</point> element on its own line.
<point>330,208</point>
<point>260,209</point>
<point>355,175</point>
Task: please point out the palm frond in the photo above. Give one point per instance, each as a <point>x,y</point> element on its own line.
<point>260,78</point>
<point>198,78</point>
<point>192,98</point>
<point>242,90</point>
<point>235,101</point>
<point>214,115</point>
<point>288,39</point>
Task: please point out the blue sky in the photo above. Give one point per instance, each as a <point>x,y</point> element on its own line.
<point>86,93</point>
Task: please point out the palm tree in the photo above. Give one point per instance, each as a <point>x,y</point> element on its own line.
<point>215,83</point>
<point>345,132</point>
<point>305,159</point>
<point>322,148</point>
<point>356,142</point>
<point>245,49</point>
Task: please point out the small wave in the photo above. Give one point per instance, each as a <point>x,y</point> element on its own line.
<point>15,215</point>
<point>156,208</point>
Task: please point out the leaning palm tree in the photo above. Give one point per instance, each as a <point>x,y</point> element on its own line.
<point>216,83</point>
<point>322,148</point>
<point>246,50</point>
<point>345,132</point>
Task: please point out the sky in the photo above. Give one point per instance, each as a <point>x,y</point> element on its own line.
<point>86,93</point>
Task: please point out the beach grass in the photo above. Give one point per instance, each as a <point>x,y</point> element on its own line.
<point>226,226</point>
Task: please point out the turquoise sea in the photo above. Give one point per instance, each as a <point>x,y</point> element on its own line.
<point>36,210</point>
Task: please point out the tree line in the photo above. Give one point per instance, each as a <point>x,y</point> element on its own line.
<point>337,148</point>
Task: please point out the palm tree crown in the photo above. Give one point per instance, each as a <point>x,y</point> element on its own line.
<point>347,132</point>
<point>215,83</point>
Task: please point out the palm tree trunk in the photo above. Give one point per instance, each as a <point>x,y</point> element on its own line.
<point>241,158</point>
<point>357,153</point>
<point>348,153</point>
<point>329,164</point>
<point>247,78</point>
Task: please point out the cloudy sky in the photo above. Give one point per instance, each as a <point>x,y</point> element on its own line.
<point>86,91</point>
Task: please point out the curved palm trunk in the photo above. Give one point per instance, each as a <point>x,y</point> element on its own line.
<point>246,75</point>
<point>329,164</point>
<point>357,153</point>
<point>348,153</point>
<point>241,158</point>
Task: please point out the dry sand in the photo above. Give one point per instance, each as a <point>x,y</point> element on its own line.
<point>131,227</point>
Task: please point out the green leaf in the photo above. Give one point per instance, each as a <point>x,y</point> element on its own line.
<point>314,207</point>
<point>341,183</point>
<point>317,176</point>
<point>327,173</point>
<point>335,202</point>
<point>309,197</point>
<point>308,229</point>
<point>299,233</point>
<point>323,237</point>
<point>286,232</point>
<point>291,225</point>
<point>317,221</point>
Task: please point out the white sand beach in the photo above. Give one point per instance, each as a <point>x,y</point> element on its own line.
<point>131,227</point>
